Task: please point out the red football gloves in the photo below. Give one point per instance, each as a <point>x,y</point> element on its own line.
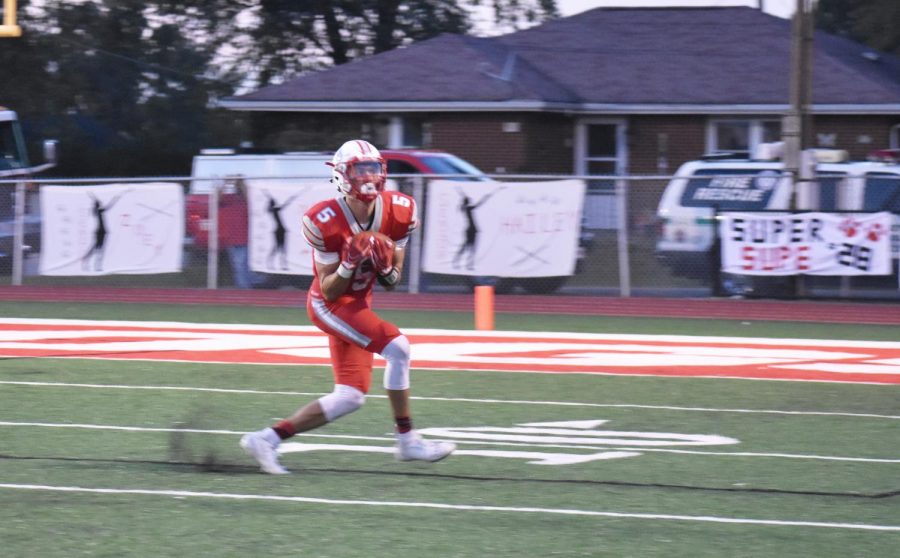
<point>368,245</point>
<point>383,259</point>
<point>382,253</point>
<point>355,250</point>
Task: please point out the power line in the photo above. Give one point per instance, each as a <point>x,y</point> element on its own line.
<point>141,63</point>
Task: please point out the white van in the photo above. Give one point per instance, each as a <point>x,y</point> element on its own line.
<point>700,188</point>
<point>222,163</point>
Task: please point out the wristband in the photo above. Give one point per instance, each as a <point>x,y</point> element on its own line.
<point>345,271</point>
<point>389,279</point>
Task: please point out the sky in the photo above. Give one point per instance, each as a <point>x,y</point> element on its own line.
<point>779,8</point>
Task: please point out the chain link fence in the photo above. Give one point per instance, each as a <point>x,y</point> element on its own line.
<point>629,243</point>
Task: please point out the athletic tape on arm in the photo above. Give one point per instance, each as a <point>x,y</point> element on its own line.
<point>390,279</point>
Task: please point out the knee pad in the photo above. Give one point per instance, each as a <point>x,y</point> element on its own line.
<point>342,401</point>
<point>396,373</point>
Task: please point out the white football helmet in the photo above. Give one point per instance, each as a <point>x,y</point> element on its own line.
<point>358,170</point>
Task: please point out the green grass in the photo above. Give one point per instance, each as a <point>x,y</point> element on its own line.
<point>766,486</point>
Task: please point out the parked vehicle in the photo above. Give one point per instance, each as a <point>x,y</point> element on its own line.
<point>220,167</point>
<point>424,161</point>
<point>14,165</point>
<point>700,188</point>
<point>419,161</point>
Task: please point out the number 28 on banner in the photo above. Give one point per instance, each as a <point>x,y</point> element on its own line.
<point>853,255</point>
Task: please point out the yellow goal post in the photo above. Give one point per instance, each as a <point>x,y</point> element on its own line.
<point>9,27</point>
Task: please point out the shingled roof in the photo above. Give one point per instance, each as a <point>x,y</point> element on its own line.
<point>671,60</point>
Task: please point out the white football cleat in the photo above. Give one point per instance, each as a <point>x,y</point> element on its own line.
<point>257,447</point>
<point>412,447</point>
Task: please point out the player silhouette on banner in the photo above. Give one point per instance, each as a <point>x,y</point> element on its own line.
<point>100,233</point>
<point>469,245</point>
<point>279,247</point>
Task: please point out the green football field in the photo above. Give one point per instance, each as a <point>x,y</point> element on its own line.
<point>140,458</point>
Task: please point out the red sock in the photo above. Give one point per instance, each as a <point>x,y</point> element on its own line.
<point>404,424</point>
<point>284,429</point>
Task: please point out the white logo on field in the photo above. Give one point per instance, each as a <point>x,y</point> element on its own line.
<point>568,435</point>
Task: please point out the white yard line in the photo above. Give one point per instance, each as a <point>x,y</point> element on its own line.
<point>489,443</point>
<point>461,400</point>
<point>443,506</point>
<point>470,333</point>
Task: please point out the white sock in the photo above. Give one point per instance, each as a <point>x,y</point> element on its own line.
<point>407,437</point>
<point>270,436</point>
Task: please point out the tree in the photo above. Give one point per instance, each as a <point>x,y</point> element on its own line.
<point>875,23</point>
<point>129,86</point>
<point>122,92</point>
<point>268,41</point>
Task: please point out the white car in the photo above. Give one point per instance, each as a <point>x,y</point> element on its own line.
<point>702,188</point>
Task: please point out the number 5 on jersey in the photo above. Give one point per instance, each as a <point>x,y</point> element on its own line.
<point>325,215</point>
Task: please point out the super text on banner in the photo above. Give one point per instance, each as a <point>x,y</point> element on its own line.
<point>806,243</point>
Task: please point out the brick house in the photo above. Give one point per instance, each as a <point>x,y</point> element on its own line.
<point>607,91</point>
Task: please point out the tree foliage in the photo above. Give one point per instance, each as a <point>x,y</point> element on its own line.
<point>121,93</point>
<point>268,41</point>
<point>875,23</point>
<point>128,86</point>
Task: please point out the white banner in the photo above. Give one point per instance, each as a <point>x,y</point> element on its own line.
<point>112,229</point>
<point>521,229</point>
<point>276,243</point>
<point>806,243</point>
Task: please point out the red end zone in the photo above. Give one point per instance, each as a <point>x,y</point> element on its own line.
<point>658,355</point>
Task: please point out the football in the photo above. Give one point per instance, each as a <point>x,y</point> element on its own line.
<point>382,252</point>
<point>382,238</point>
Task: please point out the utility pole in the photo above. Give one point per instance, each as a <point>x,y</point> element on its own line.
<point>796,125</point>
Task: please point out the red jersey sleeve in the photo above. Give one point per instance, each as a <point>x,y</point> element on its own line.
<point>401,215</point>
<point>322,227</point>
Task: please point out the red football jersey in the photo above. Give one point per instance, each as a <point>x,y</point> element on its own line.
<point>328,223</point>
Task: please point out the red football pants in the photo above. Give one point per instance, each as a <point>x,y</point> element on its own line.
<point>355,334</point>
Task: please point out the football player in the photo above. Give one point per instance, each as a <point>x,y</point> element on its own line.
<point>357,238</point>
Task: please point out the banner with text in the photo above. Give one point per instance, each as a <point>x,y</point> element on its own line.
<point>806,243</point>
<point>276,243</point>
<point>112,229</point>
<point>504,229</point>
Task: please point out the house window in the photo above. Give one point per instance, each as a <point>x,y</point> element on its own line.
<point>600,149</point>
<point>406,131</point>
<point>413,134</point>
<point>895,137</point>
<point>740,136</point>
